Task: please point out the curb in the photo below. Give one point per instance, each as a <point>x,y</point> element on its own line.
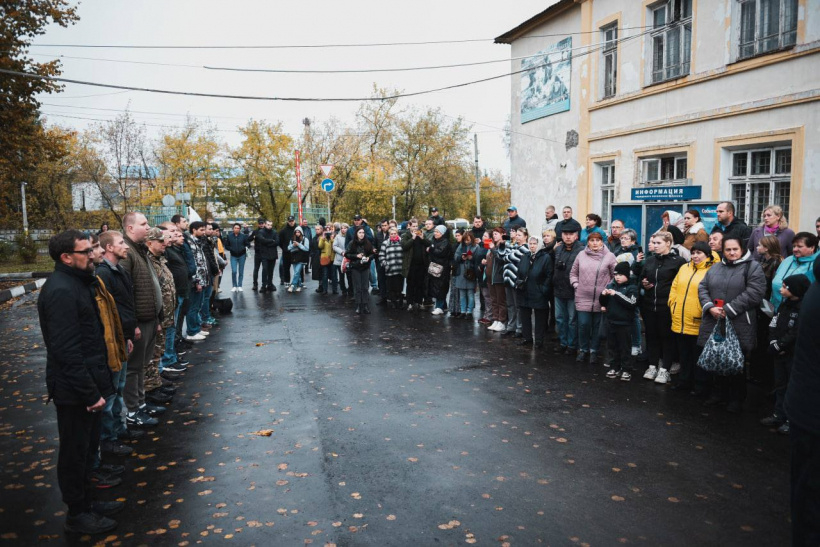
<point>20,290</point>
<point>24,275</point>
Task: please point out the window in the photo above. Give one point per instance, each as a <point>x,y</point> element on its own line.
<point>760,177</point>
<point>664,169</point>
<point>607,192</point>
<point>610,59</point>
<point>766,26</point>
<point>671,39</point>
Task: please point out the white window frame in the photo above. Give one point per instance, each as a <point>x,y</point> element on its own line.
<point>747,182</point>
<point>607,187</point>
<point>609,77</point>
<point>680,167</point>
<point>674,35</point>
<point>758,44</point>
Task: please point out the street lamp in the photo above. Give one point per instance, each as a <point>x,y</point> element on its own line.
<point>25,212</point>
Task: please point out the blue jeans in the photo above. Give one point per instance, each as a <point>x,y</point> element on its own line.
<point>374,277</point>
<point>440,303</point>
<point>238,264</point>
<point>636,330</point>
<point>329,272</point>
<point>297,275</point>
<point>466,299</point>
<point>205,307</point>
<point>194,323</point>
<point>112,423</point>
<point>170,356</point>
<point>589,324</point>
<point>566,322</point>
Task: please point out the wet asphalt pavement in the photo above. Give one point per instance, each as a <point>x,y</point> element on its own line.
<point>398,428</point>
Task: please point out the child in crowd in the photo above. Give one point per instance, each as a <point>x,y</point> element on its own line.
<point>782,336</point>
<point>618,301</point>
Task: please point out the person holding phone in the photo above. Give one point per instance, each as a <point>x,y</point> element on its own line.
<point>360,252</point>
<point>466,274</point>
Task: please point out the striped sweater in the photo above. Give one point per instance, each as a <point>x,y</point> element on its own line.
<point>512,256</point>
<point>390,257</point>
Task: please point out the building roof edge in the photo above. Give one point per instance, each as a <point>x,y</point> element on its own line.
<point>512,35</point>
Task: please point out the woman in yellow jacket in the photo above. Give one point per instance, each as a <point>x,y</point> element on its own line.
<point>326,257</point>
<point>686,310</point>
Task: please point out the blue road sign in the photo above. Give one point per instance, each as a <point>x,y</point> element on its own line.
<point>328,185</point>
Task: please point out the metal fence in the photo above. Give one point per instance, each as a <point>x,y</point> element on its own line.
<point>312,214</point>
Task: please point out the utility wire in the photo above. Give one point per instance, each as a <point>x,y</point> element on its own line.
<point>294,99</point>
<point>317,46</point>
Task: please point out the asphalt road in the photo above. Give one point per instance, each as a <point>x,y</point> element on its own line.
<point>398,428</point>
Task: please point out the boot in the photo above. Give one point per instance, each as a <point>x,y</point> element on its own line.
<point>366,309</point>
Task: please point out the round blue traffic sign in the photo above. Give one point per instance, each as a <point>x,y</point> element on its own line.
<point>328,185</point>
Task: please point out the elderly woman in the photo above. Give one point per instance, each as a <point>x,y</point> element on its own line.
<point>804,253</point>
<point>655,280</point>
<point>533,290</point>
<point>732,290</point>
<point>774,224</point>
<point>590,274</point>
<point>441,253</point>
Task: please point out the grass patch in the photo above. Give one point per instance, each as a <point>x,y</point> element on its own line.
<point>15,265</point>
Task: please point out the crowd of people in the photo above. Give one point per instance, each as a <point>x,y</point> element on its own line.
<point>145,295</point>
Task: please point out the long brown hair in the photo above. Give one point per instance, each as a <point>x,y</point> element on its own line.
<point>772,246</point>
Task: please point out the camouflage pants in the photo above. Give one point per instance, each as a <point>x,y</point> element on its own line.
<point>152,377</point>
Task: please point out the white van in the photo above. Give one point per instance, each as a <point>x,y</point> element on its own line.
<point>459,223</point>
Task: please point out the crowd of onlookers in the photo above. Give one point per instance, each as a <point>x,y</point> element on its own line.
<point>703,311</point>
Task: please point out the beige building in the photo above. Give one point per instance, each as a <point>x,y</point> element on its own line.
<point>617,103</point>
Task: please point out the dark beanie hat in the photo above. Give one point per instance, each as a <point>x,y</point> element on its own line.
<point>798,285</point>
<point>622,268</point>
<point>703,247</point>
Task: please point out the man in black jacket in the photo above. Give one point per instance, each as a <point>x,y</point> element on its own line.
<point>729,225</point>
<point>566,318</point>
<point>285,237</point>
<point>568,223</point>
<point>77,375</point>
<point>237,244</point>
<point>266,243</point>
<point>257,260</point>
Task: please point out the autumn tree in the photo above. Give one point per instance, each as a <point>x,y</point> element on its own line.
<point>22,139</point>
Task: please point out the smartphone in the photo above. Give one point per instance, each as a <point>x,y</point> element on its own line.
<point>719,303</point>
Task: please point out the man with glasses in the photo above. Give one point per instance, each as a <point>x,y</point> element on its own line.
<point>77,375</point>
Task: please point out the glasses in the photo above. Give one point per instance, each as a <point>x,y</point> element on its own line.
<point>87,252</point>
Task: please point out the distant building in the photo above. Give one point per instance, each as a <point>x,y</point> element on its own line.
<point>629,108</point>
<point>86,196</point>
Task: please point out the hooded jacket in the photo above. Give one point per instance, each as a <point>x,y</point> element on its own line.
<point>660,271</point>
<point>804,384</point>
<point>590,274</point>
<point>741,285</point>
<point>784,236</point>
<point>684,304</point>
<point>564,261</point>
<point>535,278</point>
<point>620,307</point>
<point>299,252</point>
<point>77,370</point>
<point>792,266</point>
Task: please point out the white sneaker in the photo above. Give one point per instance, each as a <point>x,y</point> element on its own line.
<point>613,374</point>
<point>635,351</point>
<point>663,376</point>
<point>233,289</point>
<point>675,368</point>
<point>437,311</point>
<point>290,288</point>
<point>299,289</point>
<point>204,332</point>
<point>195,338</point>
<point>651,373</point>
<point>410,307</point>
<point>240,289</point>
<point>498,326</point>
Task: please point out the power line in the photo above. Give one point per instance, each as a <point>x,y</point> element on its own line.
<point>293,99</point>
<point>317,46</point>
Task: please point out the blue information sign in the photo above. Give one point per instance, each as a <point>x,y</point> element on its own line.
<point>328,185</point>
<point>675,193</point>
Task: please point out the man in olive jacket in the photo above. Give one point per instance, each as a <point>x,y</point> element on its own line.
<point>147,308</point>
<point>77,373</point>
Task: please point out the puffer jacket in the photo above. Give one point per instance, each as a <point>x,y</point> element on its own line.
<point>500,253</point>
<point>590,274</point>
<point>741,285</point>
<point>564,260</point>
<point>535,274</point>
<point>792,266</point>
<point>326,249</point>
<point>338,249</point>
<point>660,271</point>
<point>147,292</point>
<point>683,297</point>
<point>392,257</point>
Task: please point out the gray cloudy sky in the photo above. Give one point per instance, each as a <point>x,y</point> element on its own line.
<point>185,22</point>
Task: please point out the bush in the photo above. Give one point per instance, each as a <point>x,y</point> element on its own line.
<point>26,248</point>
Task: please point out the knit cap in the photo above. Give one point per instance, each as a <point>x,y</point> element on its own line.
<point>441,229</point>
<point>798,285</point>
<point>622,268</point>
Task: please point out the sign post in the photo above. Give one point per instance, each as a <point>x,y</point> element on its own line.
<point>299,185</point>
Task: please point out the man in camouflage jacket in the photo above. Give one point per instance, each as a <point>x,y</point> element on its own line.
<point>156,249</point>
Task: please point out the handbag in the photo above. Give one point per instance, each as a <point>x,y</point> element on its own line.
<point>469,274</point>
<point>324,260</point>
<point>435,269</point>
<point>345,264</point>
<point>722,354</point>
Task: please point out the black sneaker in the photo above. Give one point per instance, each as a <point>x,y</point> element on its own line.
<point>115,448</point>
<point>375,292</point>
<point>89,523</point>
<point>130,434</point>
<point>271,288</point>
<point>168,390</point>
<point>112,469</point>
<point>176,368</point>
<point>158,397</point>
<point>102,480</point>
<point>140,419</point>
<point>255,287</point>
<point>181,352</point>
<point>169,375</point>
<point>107,508</point>
<point>773,420</point>
<point>152,410</point>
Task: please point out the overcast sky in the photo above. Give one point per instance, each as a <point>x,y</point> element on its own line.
<point>155,22</point>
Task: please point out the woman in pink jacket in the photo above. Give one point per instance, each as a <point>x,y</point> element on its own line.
<point>591,272</point>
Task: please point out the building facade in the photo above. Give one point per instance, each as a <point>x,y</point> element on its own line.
<point>626,108</point>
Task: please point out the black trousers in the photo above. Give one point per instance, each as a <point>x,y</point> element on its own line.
<point>393,285</point>
<point>381,278</point>
<point>689,353</point>
<point>416,277</point>
<point>79,432</point>
<point>782,372</point>
<point>257,263</point>
<point>525,315</point>
<point>659,341</point>
<point>361,285</point>
<point>805,479</point>
<point>268,266</point>
<point>284,268</point>
<point>619,344</point>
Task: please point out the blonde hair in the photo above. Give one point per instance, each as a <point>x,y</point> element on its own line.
<point>665,236</point>
<point>549,232</point>
<point>777,210</point>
